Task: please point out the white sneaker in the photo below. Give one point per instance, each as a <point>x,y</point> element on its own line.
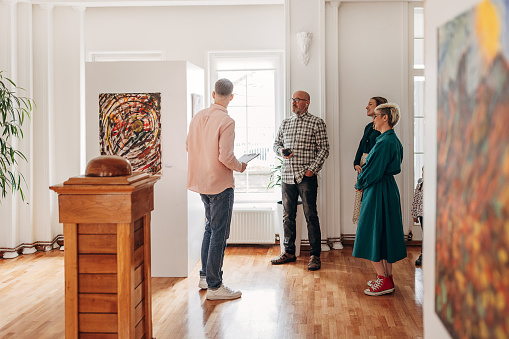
<point>203,283</point>
<point>223,293</point>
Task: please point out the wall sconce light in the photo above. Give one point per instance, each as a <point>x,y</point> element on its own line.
<point>304,40</point>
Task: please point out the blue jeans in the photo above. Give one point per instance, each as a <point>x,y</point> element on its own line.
<point>218,211</point>
<point>307,189</point>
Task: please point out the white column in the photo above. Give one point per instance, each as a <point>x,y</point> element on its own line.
<point>325,189</point>
<point>332,118</point>
<point>67,114</point>
<point>25,81</point>
<point>8,38</point>
<point>288,58</point>
<point>83,116</point>
<point>8,217</point>
<point>43,157</point>
<point>406,131</point>
<point>68,57</point>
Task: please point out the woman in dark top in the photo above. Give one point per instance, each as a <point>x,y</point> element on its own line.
<point>365,145</point>
<point>380,237</point>
<point>368,138</point>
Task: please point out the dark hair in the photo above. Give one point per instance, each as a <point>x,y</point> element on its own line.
<point>379,100</point>
<point>223,87</point>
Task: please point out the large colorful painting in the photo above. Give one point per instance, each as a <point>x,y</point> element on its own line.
<point>472,226</point>
<point>130,126</point>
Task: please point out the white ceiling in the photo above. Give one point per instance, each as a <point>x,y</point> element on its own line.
<point>146,3</point>
<point>123,3</point>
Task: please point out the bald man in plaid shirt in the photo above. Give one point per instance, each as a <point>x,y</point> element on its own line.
<point>303,144</point>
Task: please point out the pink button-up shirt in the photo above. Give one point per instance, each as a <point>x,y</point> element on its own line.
<point>210,145</point>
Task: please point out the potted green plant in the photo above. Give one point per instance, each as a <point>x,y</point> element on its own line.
<point>275,175</point>
<point>14,109</point>
<point>275,181</point>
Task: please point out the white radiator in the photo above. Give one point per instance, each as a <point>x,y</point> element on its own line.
<point>252,226</point>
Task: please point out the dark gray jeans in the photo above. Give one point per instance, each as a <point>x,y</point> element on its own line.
<point>307,189</point>
<point>218,211</point>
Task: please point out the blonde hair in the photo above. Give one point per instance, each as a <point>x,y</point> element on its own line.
<point>391,110</point>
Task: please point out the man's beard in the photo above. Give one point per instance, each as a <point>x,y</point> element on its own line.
<point>296,110</point>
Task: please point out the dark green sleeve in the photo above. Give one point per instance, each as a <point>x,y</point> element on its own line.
<point>376,163</point>
<point>360,149</point>
<point>358,155</point>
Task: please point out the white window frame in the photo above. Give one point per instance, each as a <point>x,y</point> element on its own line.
<point>412,72</point>
<point>278,59</point>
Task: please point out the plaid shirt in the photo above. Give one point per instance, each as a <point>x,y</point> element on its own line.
<point>306,136</point>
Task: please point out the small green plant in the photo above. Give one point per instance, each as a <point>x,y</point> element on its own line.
<point>275,175</point>
<point>13,111</point>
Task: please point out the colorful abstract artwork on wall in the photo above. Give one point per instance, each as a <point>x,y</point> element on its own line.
<point>130,126</point>
<point>472,211</point>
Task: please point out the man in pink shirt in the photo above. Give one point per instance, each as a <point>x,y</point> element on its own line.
<point>211,163</point>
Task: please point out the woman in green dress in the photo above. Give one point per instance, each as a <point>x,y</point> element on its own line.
<point>380,237</point>
<point>365,145</point>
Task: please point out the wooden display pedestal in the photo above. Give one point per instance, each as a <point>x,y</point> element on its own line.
<point>107,255</point>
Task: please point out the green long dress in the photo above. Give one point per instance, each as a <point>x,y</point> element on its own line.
<point>380,233</point>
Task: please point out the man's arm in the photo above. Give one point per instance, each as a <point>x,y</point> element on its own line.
<point>322,146</point>
<point>278,142</point>
<point>226,147</point>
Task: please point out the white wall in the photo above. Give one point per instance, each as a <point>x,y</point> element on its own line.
<point>373,61</point>
<point>304,17</point>
<point>176,238</point>
<point>185,33</point>
<point>436,13</point>
<point>195,209</point>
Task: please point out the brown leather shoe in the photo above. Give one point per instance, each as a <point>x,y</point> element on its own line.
<point>283,259</point>
<point>314,263</point>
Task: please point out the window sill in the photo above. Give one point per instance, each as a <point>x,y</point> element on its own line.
<point>254,206</point>
<point>256,198</point>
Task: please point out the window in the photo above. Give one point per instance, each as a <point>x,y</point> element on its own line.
<point>417,73</point>
<point>257,108</point>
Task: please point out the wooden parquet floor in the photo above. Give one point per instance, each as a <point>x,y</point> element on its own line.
<point>285,301</point>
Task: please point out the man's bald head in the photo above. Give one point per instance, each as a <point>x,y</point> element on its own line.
<point>300,102</point>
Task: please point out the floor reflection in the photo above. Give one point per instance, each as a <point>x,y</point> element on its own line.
<point>288,301</point>
<point>419,291</point>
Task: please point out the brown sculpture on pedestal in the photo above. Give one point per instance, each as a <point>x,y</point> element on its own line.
<point>108,166</point>
<point>106,217</point>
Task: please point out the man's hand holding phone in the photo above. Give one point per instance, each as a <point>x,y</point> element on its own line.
<point>287,153</point>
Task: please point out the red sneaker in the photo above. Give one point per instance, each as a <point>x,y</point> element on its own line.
<point>381,286</point>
